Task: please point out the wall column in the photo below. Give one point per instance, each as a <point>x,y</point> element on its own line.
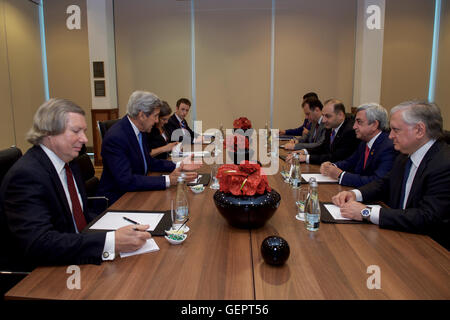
<point>368,51</point>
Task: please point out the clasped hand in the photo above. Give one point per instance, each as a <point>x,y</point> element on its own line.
<point>350,208</point>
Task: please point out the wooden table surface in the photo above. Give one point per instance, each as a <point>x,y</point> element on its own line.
<point>221,262</point>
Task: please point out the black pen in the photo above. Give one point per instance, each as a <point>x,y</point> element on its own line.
<point>134,222</point>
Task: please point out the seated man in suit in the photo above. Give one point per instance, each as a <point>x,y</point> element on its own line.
<point>304,128</point>
<point>417,189</point>
<point>375,155</point>
<point>43,204</point>
<point>177,127</point>
<point>340,139</point>
<point>126,159</point>
<point>316,135</point>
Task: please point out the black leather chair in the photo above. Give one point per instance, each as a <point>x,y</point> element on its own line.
<point>104,126</point>
<point>9,275</point>
<point>7,158</point>
<point>91,181</point>
<point>446,136</point>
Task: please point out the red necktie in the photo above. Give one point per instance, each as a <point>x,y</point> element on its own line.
<point>366,155</point>
<point>78,215</point>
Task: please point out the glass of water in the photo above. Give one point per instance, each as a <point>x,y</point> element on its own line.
<point>215,182</point>
<point>300,197</point>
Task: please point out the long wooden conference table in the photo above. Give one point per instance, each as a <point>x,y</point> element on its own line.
<point>219,262</point>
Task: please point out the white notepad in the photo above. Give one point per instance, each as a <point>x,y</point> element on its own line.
<point>319,177</point>
<point>149,246</point>
<point>114,220</point>
<point>335,211</point>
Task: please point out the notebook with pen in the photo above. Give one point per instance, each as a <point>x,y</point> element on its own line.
<point>111,220</point>
<point>203,178</point>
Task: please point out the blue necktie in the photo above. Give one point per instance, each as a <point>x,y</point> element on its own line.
<point>142,151</point>
<point>405,178</point>
<point>183,125</point>
<point>333,133</point>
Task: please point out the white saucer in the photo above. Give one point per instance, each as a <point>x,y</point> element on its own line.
<point>299,218</point>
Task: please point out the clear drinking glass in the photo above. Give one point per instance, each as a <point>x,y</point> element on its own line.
<point>287,172</point>
<point>215,182</point>
<point>301,195</point>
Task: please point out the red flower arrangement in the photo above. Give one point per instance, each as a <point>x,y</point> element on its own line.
<point>236,142</point>
<point>242,180</point>
<point>242,123</point>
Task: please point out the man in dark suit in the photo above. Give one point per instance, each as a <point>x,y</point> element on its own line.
<point>177,127</point>
<point>125,154</point>
<point>316,135</point>
<point>43,206</point>
<point>306,126</point>
<point>417,189</point>
<point>375,155</point>
<point>340,139</point>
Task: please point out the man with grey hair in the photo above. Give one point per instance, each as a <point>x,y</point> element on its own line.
<point>125,154</point>
<point>375,155</point>
<point>417,189</point>
<point>43,204</point>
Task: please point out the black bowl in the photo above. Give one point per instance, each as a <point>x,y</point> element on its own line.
<point>275,250</point>
<point>247,212</point>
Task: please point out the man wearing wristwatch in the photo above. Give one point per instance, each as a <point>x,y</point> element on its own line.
<point>417,189</point>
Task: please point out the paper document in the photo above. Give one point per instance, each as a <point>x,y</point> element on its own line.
<point>149,246</point>
<point>335,211</point>
<point>115,220</point>
<point>197,179</point>
<point>319,177</point>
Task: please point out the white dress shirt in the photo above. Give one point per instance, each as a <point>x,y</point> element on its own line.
<point>416,159</point>
<point>369,144</point>
<point>109,247</point>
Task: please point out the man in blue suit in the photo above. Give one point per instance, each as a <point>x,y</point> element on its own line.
<point>375,155</point>
<point>126,158</point>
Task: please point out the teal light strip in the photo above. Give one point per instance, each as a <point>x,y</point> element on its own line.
<point>44,50</point>
<point>435,51</point>
<point>193,75</point>
<point>272,62</point>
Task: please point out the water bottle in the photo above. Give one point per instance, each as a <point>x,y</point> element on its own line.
<point>181,203</point>
<point>312,208</point>
<point>295,172</point>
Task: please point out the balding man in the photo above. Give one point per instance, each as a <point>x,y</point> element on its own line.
<point>417,189</point>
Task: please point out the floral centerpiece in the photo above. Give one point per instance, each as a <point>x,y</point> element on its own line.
<point>245,198</point>
<point>238,145</point>
<point>244,179</point>
<point>242,123</point>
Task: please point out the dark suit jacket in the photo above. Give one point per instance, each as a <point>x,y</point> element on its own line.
<point>173,124</point>
<point>36,222</point>
<point>312,139</point>
<point>156,140</point>
<point>379,163</point>
<point>427,208</point>
<point>298,131</point>
<point>344,144</point>
<point>123,165</point>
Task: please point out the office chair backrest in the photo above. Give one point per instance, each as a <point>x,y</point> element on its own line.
<point>446,136</point>
<point>7,158</point>
<point>88,173</point>
<point>104,126</point>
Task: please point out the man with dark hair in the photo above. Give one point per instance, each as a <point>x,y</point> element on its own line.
<point>417,189</point>
<point>305,127</point>
<point>340,139</point>
<point>316,135</point>
<point>177,127</point>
